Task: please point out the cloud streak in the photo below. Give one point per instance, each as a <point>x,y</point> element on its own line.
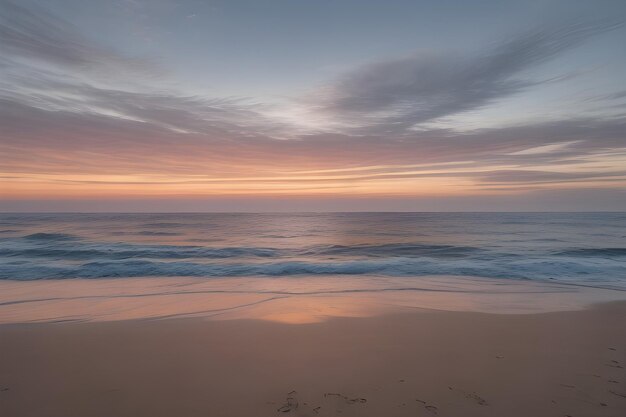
<point>38,35</point>
<point>398,94</point>
<point>68,130</point>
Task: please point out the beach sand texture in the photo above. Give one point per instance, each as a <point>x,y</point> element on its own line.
<point>418,363</point>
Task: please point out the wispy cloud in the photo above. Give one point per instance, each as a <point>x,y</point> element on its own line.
<point>38,35</point>
<point>65,123</point>
<point>47,65</point>
<point>397,94</point>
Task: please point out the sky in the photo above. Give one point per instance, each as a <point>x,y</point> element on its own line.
<point>289,105</point>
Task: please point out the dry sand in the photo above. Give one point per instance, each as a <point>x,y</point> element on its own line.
<point>422,363</point>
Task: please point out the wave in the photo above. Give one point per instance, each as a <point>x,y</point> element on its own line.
<point>125,251</point>
<point>524,269</point>
<point>243,252</point>
<point>68,246</point>
<point>152,233</point>
<point>394,249</point>
<point>49,237</point>
<point>165,225</point>
<point>57,245</point>
<point>594,252</point>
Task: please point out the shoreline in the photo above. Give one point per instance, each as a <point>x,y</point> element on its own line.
<point>419,363</point>
<point>301,299</point>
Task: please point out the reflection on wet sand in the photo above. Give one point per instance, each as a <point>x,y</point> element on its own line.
<point>287,300</point>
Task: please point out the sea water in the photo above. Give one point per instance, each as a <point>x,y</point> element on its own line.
<point>587,249</point>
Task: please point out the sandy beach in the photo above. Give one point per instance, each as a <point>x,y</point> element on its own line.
<point>421,362</point>
<point>312,208</point>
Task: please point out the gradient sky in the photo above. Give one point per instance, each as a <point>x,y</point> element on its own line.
<point>226,105</point>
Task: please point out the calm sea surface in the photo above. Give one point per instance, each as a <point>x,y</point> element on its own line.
<point>579,248</point>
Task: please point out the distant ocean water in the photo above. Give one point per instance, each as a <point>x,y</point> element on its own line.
<point>575,248</point>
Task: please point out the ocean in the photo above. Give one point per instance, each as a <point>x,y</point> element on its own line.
<point>587,249</point>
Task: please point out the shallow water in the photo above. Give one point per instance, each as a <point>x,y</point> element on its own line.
<point>295,299</point>
<point>578,248</point>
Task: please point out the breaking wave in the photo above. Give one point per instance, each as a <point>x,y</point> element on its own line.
<point>585,249</point>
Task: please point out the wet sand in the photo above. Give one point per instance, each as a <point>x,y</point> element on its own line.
<point>298,299</point>
<point>418,362</point>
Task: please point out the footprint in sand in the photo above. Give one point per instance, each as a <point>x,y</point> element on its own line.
<point>346,399</point>
<point>429,407</point>
<point>339,401</point>
<point>291,403</point>
<point>472,396</point>
<point>619,394</point>
<point>479,400</point>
